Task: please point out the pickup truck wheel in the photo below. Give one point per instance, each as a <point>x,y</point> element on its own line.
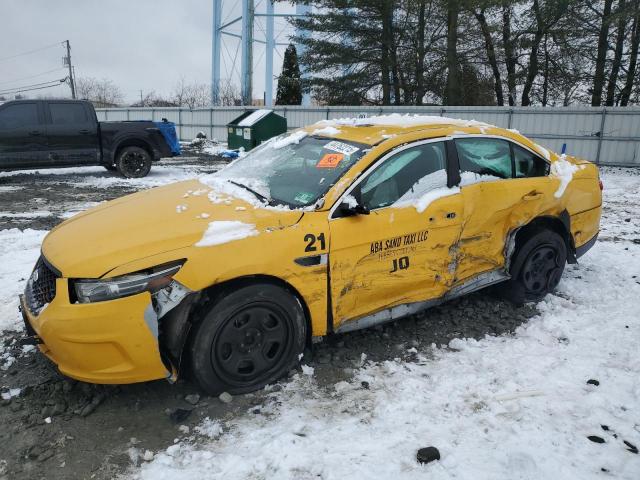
<point>133,162</point>
<point>248,339</point>
<point>536,268</point>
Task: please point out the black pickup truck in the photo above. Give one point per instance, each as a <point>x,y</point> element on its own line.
<point>66,133</point>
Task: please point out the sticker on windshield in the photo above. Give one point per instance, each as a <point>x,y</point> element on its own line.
<point>341,147</point>
<point>303,197</point>
<point>330,160</point>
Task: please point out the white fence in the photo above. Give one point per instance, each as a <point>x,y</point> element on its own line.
<point>608,136</point>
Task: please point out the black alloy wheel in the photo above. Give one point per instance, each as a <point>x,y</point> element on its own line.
<point>133,162</point>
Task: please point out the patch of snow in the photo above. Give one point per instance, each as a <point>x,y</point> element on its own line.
<point>291,139</point>
<point>9,394</point>
<point>181,208</point>
<point>35,214</point>
<point>79,209</point>
<point>544,151</point>
<point>407,120</point>
<point>350,200</point>
<point>307,370</point>
<point>220,232</point>
<point>256,115</point>
<point>471,178</point>
<point>223,190</point>
<point>563,170</point>
<point>18,255</point>
<point>329,130</point>
<point>209,428</point>
<point>203,215</point>
<point>426,190</point>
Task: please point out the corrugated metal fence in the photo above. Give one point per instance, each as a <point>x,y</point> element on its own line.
<point>608,136</point>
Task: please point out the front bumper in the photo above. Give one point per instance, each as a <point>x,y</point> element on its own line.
<point>104,342</point>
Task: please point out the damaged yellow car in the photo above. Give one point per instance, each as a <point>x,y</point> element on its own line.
<point>335,227</point>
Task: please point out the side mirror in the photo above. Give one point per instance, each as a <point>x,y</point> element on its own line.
<point>350,207</point>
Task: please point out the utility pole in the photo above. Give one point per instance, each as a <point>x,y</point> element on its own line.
<point>71,79</point>
<point>246,64</point>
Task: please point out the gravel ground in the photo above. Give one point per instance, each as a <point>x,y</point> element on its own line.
<point>59,428</point>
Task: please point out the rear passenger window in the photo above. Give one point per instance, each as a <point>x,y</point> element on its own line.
<point>67,113</point>
<point>484,156</point>
<point>527,164</point>
<point>18,116</point>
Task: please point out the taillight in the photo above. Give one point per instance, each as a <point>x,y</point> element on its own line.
<point>601,185</point>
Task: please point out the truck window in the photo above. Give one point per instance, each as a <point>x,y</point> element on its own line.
<point>67,113</point>
<point>18,116</point>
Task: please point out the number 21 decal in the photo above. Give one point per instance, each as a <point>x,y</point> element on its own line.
<point>310,238</point>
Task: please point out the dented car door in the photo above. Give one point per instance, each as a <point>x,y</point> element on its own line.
<point>398,254</point>
<point>504,186</point>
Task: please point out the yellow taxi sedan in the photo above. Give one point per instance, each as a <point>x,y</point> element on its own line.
<point>338,226</point>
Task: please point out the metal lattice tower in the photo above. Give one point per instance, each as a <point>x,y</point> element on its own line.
<point>226,17</point>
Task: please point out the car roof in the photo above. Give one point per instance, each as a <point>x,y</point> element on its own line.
<point>375,130</point>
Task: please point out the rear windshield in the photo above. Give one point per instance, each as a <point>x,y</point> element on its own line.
<point>294,170</point>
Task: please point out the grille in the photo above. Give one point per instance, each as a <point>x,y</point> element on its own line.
<point>41,287</point>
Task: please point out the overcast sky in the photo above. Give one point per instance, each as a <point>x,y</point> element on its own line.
<point>139,44</point>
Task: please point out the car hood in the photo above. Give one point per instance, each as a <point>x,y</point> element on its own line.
<point>148,223</point>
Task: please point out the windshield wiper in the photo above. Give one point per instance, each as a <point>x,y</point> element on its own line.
<point>259,196</point>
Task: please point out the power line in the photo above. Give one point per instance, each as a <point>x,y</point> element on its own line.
<point>31,76</point>
<point>10,57</point>
<point>35,86</point>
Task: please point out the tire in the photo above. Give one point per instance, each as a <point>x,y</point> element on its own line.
<point>536,268</point>
<point>247,339</point>
<point>111,168</point>
<point>133,162</point>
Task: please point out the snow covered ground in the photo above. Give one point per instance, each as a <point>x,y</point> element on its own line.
<point>508,407</point>
<point>504,407</point>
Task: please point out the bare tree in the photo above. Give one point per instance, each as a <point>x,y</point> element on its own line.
<point>192,95</point>
<point>101,92</point>
<point>229,94</point>
<point>152,99</point>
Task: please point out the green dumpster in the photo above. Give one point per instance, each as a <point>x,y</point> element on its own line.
<point>254,127</point>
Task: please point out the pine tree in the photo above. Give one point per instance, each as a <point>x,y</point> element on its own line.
<point>289,84</point>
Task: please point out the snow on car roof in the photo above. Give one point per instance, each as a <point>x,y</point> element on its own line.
<point>254,117</point>
<point>403,121</point>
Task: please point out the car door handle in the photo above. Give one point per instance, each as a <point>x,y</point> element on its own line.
<point>84,132</point>
<point>35,133</point>
<point>533,196</point>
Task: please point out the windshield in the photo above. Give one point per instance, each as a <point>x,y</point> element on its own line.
<point>293,170</point>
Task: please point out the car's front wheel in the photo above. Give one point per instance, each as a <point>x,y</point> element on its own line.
<point>247,339</point>
<point>536,267</point>
<point>133,162</point>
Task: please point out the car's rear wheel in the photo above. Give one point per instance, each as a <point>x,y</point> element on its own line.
<point>536,267</point>
<point>133,162</point>
<point>247,339</point>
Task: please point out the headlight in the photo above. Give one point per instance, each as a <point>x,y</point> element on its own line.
<point>152,280</point>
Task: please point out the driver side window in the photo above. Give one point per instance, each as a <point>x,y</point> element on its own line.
<point>485,156</point>
<point>404,176</point>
